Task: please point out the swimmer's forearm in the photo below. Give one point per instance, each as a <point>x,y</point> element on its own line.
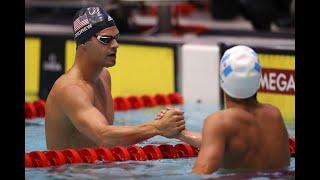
<point>190,137</point>
<point>128,135</point>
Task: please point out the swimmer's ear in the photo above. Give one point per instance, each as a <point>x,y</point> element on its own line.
<point>83,46</point>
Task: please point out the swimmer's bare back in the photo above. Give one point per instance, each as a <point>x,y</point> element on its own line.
<point>251,138</point>
<point>60,130</point>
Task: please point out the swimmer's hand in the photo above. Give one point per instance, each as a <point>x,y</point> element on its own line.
<point>163,111</point>
<point>171,124</point>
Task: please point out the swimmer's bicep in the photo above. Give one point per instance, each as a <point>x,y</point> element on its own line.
<point>78,107</point>
<point>87,119</point>
<point>277,115</point>
<point>89,122</point>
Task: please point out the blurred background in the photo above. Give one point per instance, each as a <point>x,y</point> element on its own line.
<point>138,16</point>
<point>169,46</point>
<point>166,47</point>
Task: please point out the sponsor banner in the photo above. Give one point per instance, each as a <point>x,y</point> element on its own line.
<point>277,85</point>
<point>277,81</point>
<point>52,63</point>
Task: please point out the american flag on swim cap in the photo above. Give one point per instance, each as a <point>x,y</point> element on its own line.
<point>80,22</point>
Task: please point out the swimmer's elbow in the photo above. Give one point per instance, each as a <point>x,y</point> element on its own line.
<point>203,170</point>
<point>102,141</point>
<point>106,139</point>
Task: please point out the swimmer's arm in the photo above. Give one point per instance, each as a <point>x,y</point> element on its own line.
<point>190,137</point>
<point>128,135</point>
<point>212,146</point>
<point>78,106</point>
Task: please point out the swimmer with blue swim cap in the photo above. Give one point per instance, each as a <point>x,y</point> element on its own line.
<point>79,107</point>
<point>240,72</point>
<point>247,134</point>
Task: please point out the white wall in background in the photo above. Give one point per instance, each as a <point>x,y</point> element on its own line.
<point>199,73</point>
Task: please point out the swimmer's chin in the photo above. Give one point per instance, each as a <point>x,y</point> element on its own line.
<point>110,64</point>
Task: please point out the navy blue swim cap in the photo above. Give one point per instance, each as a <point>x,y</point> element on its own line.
<point>89,21</point>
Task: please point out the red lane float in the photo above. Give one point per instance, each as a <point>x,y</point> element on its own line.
<point>39,159</point>
<point>292,144</point>
<point>72,156</point>
<point>135,102</point>
<point>117,153</point>
<point>29,110</point>
<point>168,151</point>
<point>40,106</point>
<point>122,103</point>
<point>152,152</point>
<point>195,150</point>
<point>115,106</point>
<point>137,153</point>
<point>175,98</point>
<point>120,153</point>
<point>37,108</point>
<point>185,150</point>
<point>104,154</point>
<point>88,155</point>
<point>55,157</point>
<point>27,160</point>
<point>162,99</point>
<point>148,101</point>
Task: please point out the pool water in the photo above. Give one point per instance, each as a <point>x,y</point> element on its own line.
<point>152,169</point>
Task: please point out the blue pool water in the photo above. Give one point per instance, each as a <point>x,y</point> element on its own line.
<point>155,169</point>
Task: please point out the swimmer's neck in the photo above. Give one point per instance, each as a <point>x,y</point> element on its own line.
<point>87,71</point>
<point>241,104</point>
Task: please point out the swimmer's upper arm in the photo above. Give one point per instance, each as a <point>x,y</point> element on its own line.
<point>278,116</point>
<point>212,145</point>
<point>277,113</point>
<point>78,107</point>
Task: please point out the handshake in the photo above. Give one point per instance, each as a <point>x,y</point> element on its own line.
<point>170,122</point>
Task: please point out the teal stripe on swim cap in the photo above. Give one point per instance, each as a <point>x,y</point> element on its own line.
<point>257,67</point>
<point>227,71</point>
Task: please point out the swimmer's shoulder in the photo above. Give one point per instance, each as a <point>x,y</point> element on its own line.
<point>231,113</point>
<point>217,117</point>
<point>220,121</point>
<point>271,111</point>
<point>230,117</point>
<point>66,86</point>
<point>224,114</point>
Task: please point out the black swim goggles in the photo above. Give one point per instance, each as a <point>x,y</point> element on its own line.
<point>107,39</point>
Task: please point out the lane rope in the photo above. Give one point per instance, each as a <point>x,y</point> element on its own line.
<point>36,109</point>
<point>35,159</point>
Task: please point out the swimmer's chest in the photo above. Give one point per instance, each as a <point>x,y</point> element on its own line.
<point>103,100</point>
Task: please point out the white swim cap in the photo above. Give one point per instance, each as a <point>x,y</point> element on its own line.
<point>240,72</point>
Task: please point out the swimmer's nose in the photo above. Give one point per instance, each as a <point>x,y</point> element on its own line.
<point>114,44</point>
